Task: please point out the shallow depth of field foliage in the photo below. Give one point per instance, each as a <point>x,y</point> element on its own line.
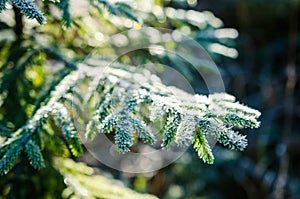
<point>52,53</point>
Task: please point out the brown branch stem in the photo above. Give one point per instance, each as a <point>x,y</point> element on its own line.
<point>19,22</point>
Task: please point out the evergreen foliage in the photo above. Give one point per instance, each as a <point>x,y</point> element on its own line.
<point>2,4</point>
<point>117,111</point>
<point>82,182</point>
<point>26,136</point>
<point>216,115</point>
<point>116,103</point>
<point>30,9</point>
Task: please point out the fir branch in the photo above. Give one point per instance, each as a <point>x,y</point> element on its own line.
<point>10,157</point>
<point>44,96</point>
<point>143,131</point>
<point>2,5</point>
<point>123,133</point>
<point>110,7</point>
<point>170,127</point>
<point>240,120</point>
<point>125,9</point>
<point>123,4</point>
<point>83,182</point>
<point>233,140</point>
<point>117,9</point>
<point>22,138</point>
<point>91,129</point>
<point>189,118</point>
<point>186,132</point>
<point>108,124</point>
<point>29,9</point>
<point>66,16</point>
<point>64,122</point>
<point>34,155</point>
<point>202,147</point>
<point>222,133</point>
<point>102,111</point>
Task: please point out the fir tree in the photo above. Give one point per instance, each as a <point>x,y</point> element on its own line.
<point>32,111</point>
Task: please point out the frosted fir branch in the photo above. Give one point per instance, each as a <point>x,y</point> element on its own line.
<point>9,158</point>
<point>34,155</point>
<point>103,109</point>
<point>156,111</point>
<point>29,9</point>
<point>108,124</point>
<point>186,132</point>
<point>172,122</point>
<point>24,138</point>
<point>240,120</point>
<point>2,5</point>
<point>143,131</point>
<point>187,118</point>
<point>124,133</point>
<point>223,134</point>
<point>233,140</point>
<point>64,121</point>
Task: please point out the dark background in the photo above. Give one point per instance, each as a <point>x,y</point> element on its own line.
<point>264,76</point>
